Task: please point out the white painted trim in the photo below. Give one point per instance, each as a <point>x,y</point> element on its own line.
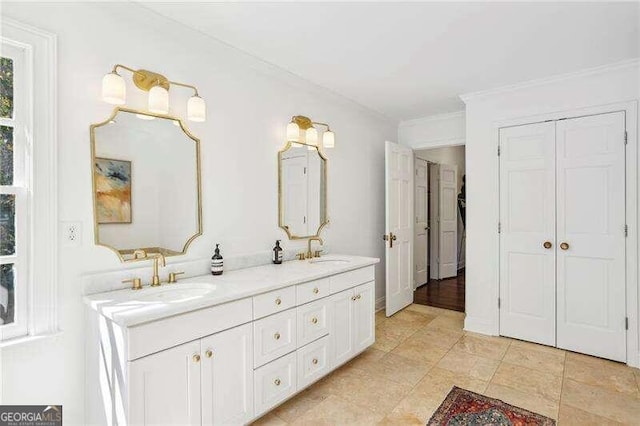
<point>432,118</point>
<point>380,303</point>
<point>629,63</point>
<point>44,235</point>
<point>440,143</point>
<point>632,163</point>
<point>478,325</point>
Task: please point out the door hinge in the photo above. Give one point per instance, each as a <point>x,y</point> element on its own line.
<point>499,227</point>
<point>626,230</point>
<point>498,303</point>
<point>626,137</point>
<point>305,171</point>
<point>626,323</point>
<point>498,150</point>
<point>304,219</point>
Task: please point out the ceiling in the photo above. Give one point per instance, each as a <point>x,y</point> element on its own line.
<point>410,60</point>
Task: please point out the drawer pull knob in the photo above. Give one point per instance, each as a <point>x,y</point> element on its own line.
<point>196,358</point>
<point>277,382</point>
<point>278,301</point>
<point>315,290</point>
<point>359,296</point>
<point>209,353</point>
<point>315,360</point>
<point>314,320</point>
<point>276,336</point>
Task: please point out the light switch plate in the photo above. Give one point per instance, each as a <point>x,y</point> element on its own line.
<point>71,234</point>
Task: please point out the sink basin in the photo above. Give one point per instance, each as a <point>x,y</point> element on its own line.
<point>177,293</point>
<point>330,261</point>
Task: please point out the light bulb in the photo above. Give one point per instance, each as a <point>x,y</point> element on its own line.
<point>328,139</point>
<point>159,100</point>
<point>196,109</point>
<point>293,132</point>
<point>312,137</point>
<point>113,89</point>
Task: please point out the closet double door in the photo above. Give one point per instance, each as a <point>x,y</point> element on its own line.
<point>562,234</point>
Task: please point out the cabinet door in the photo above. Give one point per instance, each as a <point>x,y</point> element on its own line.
<point>342,327</point>
<point>363,317</point>
<point>165,387</point>
<point>227,376</point>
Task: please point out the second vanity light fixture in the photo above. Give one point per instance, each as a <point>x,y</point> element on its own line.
<point>114,91</point>
<point>296,136</point>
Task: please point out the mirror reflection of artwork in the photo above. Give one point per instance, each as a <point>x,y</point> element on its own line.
<point>113,190</point>
<point>165,194</point>
<point>302,191</point>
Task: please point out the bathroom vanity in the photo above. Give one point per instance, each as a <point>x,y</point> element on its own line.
<point>227,349</point>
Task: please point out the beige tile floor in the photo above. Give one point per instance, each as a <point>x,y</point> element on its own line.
<point>421,352</point>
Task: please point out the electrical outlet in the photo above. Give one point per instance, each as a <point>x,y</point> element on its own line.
<point>71,234</point>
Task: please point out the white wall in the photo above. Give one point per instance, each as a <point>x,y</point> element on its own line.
<point>249,104</point>
<point>484,113</point>
<point>433,131</point>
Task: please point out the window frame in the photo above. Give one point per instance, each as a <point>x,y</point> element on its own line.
<point>36,188</point>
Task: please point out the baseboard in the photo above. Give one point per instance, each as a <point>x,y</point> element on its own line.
<point>478,325</point>
<point>380,303</point>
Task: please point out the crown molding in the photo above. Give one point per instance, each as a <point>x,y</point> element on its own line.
<point>603,69</point>
<point>432,118</point>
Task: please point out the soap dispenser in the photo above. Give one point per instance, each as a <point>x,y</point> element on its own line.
<point>216,262</point>
<point>277,253</point>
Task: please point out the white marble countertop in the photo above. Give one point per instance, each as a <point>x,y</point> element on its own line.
<point>128,307</point>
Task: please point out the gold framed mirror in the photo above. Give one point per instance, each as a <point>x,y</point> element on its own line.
<point>146,184</point>
<point>302,190</point>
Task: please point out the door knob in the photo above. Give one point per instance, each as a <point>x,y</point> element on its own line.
<point>547,244</point>
<point>209,353</point>
<point>564,246</point>
<point>196,358</point>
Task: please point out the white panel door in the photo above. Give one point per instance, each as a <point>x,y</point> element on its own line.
<point>227,376</point>
<point>165,387</point>
<point>399,226</point>
<point>434,232</point>
<point>421,229</point>
<point>295,194</point>
<point>591,239</point>
<point>527,234</point>
<point>342,327</point>
<point>364,316</point>
<point>448,222</point>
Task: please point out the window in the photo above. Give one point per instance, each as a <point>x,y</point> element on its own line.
<point>14,187</point>
<point>28,183</point>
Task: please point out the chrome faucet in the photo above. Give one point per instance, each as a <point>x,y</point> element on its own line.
<point>155,281</point>
<point>309,252</point>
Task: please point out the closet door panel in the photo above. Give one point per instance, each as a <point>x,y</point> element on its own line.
<point>527,221</point>
<point>591,219</point>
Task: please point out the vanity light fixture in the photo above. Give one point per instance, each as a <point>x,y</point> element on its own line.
<point>299,123</point>
<point>114,92</point>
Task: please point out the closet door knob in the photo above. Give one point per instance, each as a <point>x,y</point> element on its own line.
<point>196,358</point>
<point>209,353</point>
<point>315,361</point>
<point>277,382</point>
<point>276,336</point>
<point>564,246</point>
<point>314,320</point>
<point>547,244</point>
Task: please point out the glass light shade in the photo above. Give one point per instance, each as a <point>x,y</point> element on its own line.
<point>145,117</point>
<point>159,100</point>
<point>328,139</point>
<point>196,109</point>
<point>312,137</point>
<point>113,89</point>
<point>293,132</point>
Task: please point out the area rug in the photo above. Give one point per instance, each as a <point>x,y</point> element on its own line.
<point>462,408</point>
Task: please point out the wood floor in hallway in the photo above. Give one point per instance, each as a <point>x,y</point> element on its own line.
<point>445,294</point>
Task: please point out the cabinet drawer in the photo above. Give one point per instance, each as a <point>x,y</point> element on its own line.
<point>145,339</point>
<point>273,302</point>
<point>313,290</point>
<point>313,361</point>
<point>274,383</point>
<point>350,279</point>
<point>314,321</point>
<point>274,336</point>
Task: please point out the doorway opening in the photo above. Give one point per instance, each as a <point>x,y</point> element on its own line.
<point>440,227</point>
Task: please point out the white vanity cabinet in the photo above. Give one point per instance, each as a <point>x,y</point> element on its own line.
<point>209,381</point>
<point>354,321</point>
<point>226,362</point>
